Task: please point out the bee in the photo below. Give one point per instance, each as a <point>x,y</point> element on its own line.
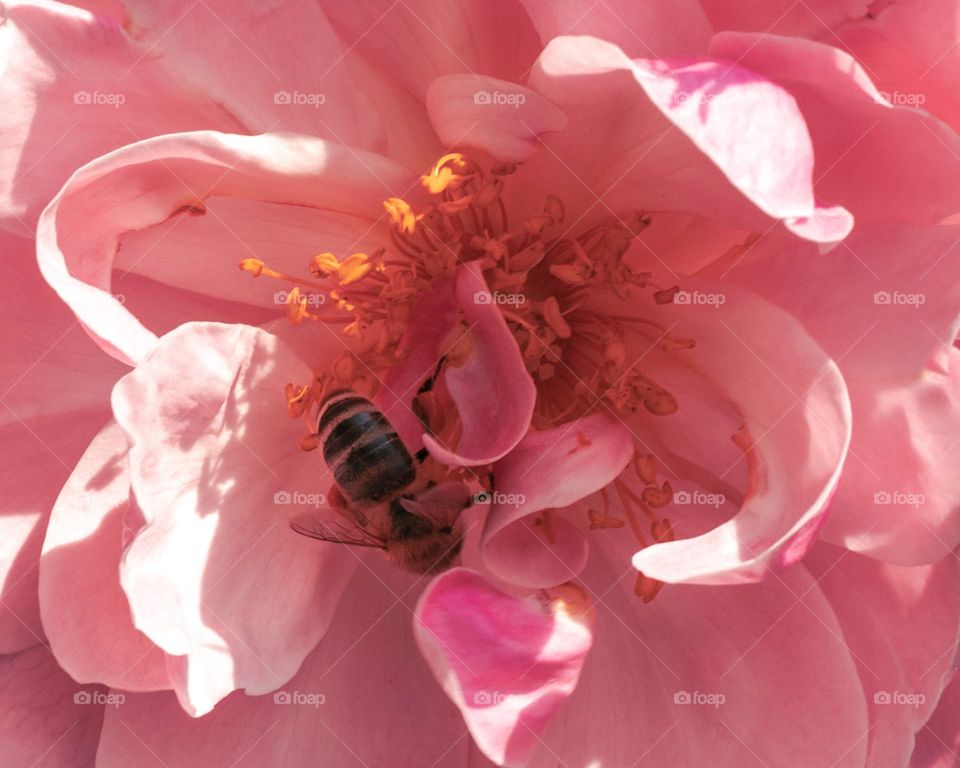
<point>378,494</point>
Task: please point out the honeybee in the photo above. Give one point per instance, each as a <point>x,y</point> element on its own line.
<point>377,494</point>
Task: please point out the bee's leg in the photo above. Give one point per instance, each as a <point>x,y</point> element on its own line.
<point>417,407</point>
<point>431,380</point>
<point>421,455</point>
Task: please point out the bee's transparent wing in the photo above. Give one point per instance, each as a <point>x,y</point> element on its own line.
<point>441,505</point>
<point>336,531</point>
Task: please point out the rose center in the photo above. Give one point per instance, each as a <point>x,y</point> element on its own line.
<point>554,289</point>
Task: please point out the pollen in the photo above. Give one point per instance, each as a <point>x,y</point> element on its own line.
<point>557,288</point>
<point>401,214</point>
<point>571,601</point>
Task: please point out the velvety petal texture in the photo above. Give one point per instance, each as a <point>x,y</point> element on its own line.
<point>549,470</point>
<point>217,472</point>
<point>500,118</point>
<point>78,87</point>
<point>148,182</point>
<point>85,612</point>
<point>508,663</point>
<point>885,307</point>
<point>51,376</point>
<point>364,684</point>
<point>742,138</point>
<point>45,717</point>
<point>488,383</point>
<point>853,126</point>
<point>793,440</point>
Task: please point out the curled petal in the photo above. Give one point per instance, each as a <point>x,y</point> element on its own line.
<point>85,612</point>
<point>851,124</point>
<point>885,306</point>
<point>76,87</point>
<point>217,473</point>
<point>797,426</point>
<point>148,182</point>
<point>491,388</point>
<point>698,135</point>
<point>498,117</point>
<point>508,663</point>
<point>550,469</point>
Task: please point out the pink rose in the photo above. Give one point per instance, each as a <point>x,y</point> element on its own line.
<point>663,304</point>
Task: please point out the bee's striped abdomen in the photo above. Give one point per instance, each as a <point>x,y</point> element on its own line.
<point>368,459</point>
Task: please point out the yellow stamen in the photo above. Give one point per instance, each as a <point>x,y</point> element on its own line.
<point>401,214</point>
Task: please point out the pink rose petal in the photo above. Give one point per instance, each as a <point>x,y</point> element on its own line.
<point>147,182</point>
<point>508,663</point>
<point>697,135</point>
<point>547,470</point>
<point>492,390</point>
<point>214,458</point>
<point>364,696</point>
<point>78,87</point>
<point>796,412</point>
<point>45,717</point>
<point>500,118</point>
<point>85,612</point>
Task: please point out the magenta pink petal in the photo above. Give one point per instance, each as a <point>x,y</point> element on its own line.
<point>492,389</point>
<point>493,393</point>
<point>508,663</point>
<point>550,470</point>
<point>214,459</point>
<point>146,183</point>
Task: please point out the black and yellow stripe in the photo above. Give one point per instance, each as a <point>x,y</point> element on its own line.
<point>364,451</point>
